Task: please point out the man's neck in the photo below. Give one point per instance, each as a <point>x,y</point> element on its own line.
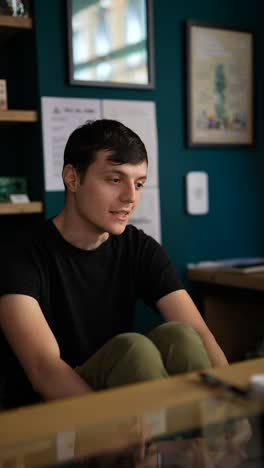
<point>78,233</point>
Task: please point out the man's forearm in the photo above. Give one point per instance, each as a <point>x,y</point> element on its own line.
<point>58,380</point>
<point>214,351</point>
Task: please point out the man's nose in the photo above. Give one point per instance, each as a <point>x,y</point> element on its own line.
<point>128,193</point>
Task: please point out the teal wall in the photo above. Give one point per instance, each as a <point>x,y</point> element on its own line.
<point>234,225</point>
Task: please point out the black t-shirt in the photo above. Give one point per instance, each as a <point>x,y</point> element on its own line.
<point>87,297</point>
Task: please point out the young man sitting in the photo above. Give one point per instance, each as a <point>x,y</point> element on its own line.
<point>68,292</point>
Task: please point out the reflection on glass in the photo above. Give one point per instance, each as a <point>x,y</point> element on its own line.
<point>109,41</point>
<point>219,430</point>
<point>234,442</point>
<point>215,432</point>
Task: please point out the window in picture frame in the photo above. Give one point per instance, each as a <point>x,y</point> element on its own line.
<point>110,43</point>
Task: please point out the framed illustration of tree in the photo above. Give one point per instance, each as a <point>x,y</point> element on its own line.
<point>220,85</point>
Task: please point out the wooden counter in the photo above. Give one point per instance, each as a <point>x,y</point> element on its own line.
<point>233,308</point>
<point>225,277</point>
<point>116,418</point>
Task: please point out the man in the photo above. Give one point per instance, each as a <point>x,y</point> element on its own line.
<point>68,292</point>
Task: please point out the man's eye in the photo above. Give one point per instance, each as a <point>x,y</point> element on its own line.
<point>139,185</point>
<point>115,180</point>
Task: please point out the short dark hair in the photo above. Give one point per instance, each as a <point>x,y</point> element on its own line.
<point>123,144</point>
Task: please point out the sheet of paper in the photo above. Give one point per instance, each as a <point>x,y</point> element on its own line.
<point>140,116</point>
<point>60,116</point>
<point>147,214</point>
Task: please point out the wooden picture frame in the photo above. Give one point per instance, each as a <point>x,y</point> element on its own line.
<point>110,43</point>
<point>220,85</point>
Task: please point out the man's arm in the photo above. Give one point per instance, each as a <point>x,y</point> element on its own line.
<point>35,346</point>
<point>178,306</point>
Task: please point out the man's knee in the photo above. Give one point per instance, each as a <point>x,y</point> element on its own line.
<point>182,332</point>
<point>138,360</point>
<point>181,347</point>
<point>136,345</point>
<point>126,358</point>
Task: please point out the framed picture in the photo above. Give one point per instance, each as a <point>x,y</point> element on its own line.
<point>220,82</point>
<point>110,43</point>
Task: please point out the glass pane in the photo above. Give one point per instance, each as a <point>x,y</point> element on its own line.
<point>110,41</point>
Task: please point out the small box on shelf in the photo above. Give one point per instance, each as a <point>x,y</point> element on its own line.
<point>19,198</point>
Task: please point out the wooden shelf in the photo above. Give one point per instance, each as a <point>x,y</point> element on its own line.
<point>21,208</point>
<point>21,26</point>
<point>18,116</point>
<point>15,22</point>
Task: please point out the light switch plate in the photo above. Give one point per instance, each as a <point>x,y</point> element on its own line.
<point>197,198</point>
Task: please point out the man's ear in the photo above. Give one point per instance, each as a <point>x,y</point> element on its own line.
<point>70,177</point>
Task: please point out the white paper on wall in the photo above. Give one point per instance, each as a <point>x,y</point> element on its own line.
<point>147,214</point>
<point>60,116</point>
<point>140,116</point>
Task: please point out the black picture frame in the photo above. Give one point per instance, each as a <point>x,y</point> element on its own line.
<point>145,45</point>
<point>220,92</point>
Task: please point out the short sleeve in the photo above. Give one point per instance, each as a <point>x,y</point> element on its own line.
<point>156,274</point>
<point>18,274</point>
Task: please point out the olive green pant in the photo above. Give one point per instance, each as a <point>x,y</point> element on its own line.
<point>169,349</point>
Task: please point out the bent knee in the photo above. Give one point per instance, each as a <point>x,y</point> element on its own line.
<point>185,331</point>
<point>176,331</point>
<point>181,347</point>
<point>139,343</point>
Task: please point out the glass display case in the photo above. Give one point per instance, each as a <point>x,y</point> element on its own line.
<point>174,422</point>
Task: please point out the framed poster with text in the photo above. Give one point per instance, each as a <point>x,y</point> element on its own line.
<point>220,85</point>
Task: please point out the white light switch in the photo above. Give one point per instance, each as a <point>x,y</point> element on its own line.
<point>197,200</point>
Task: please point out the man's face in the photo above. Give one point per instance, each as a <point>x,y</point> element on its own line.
<point>109,193</point>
